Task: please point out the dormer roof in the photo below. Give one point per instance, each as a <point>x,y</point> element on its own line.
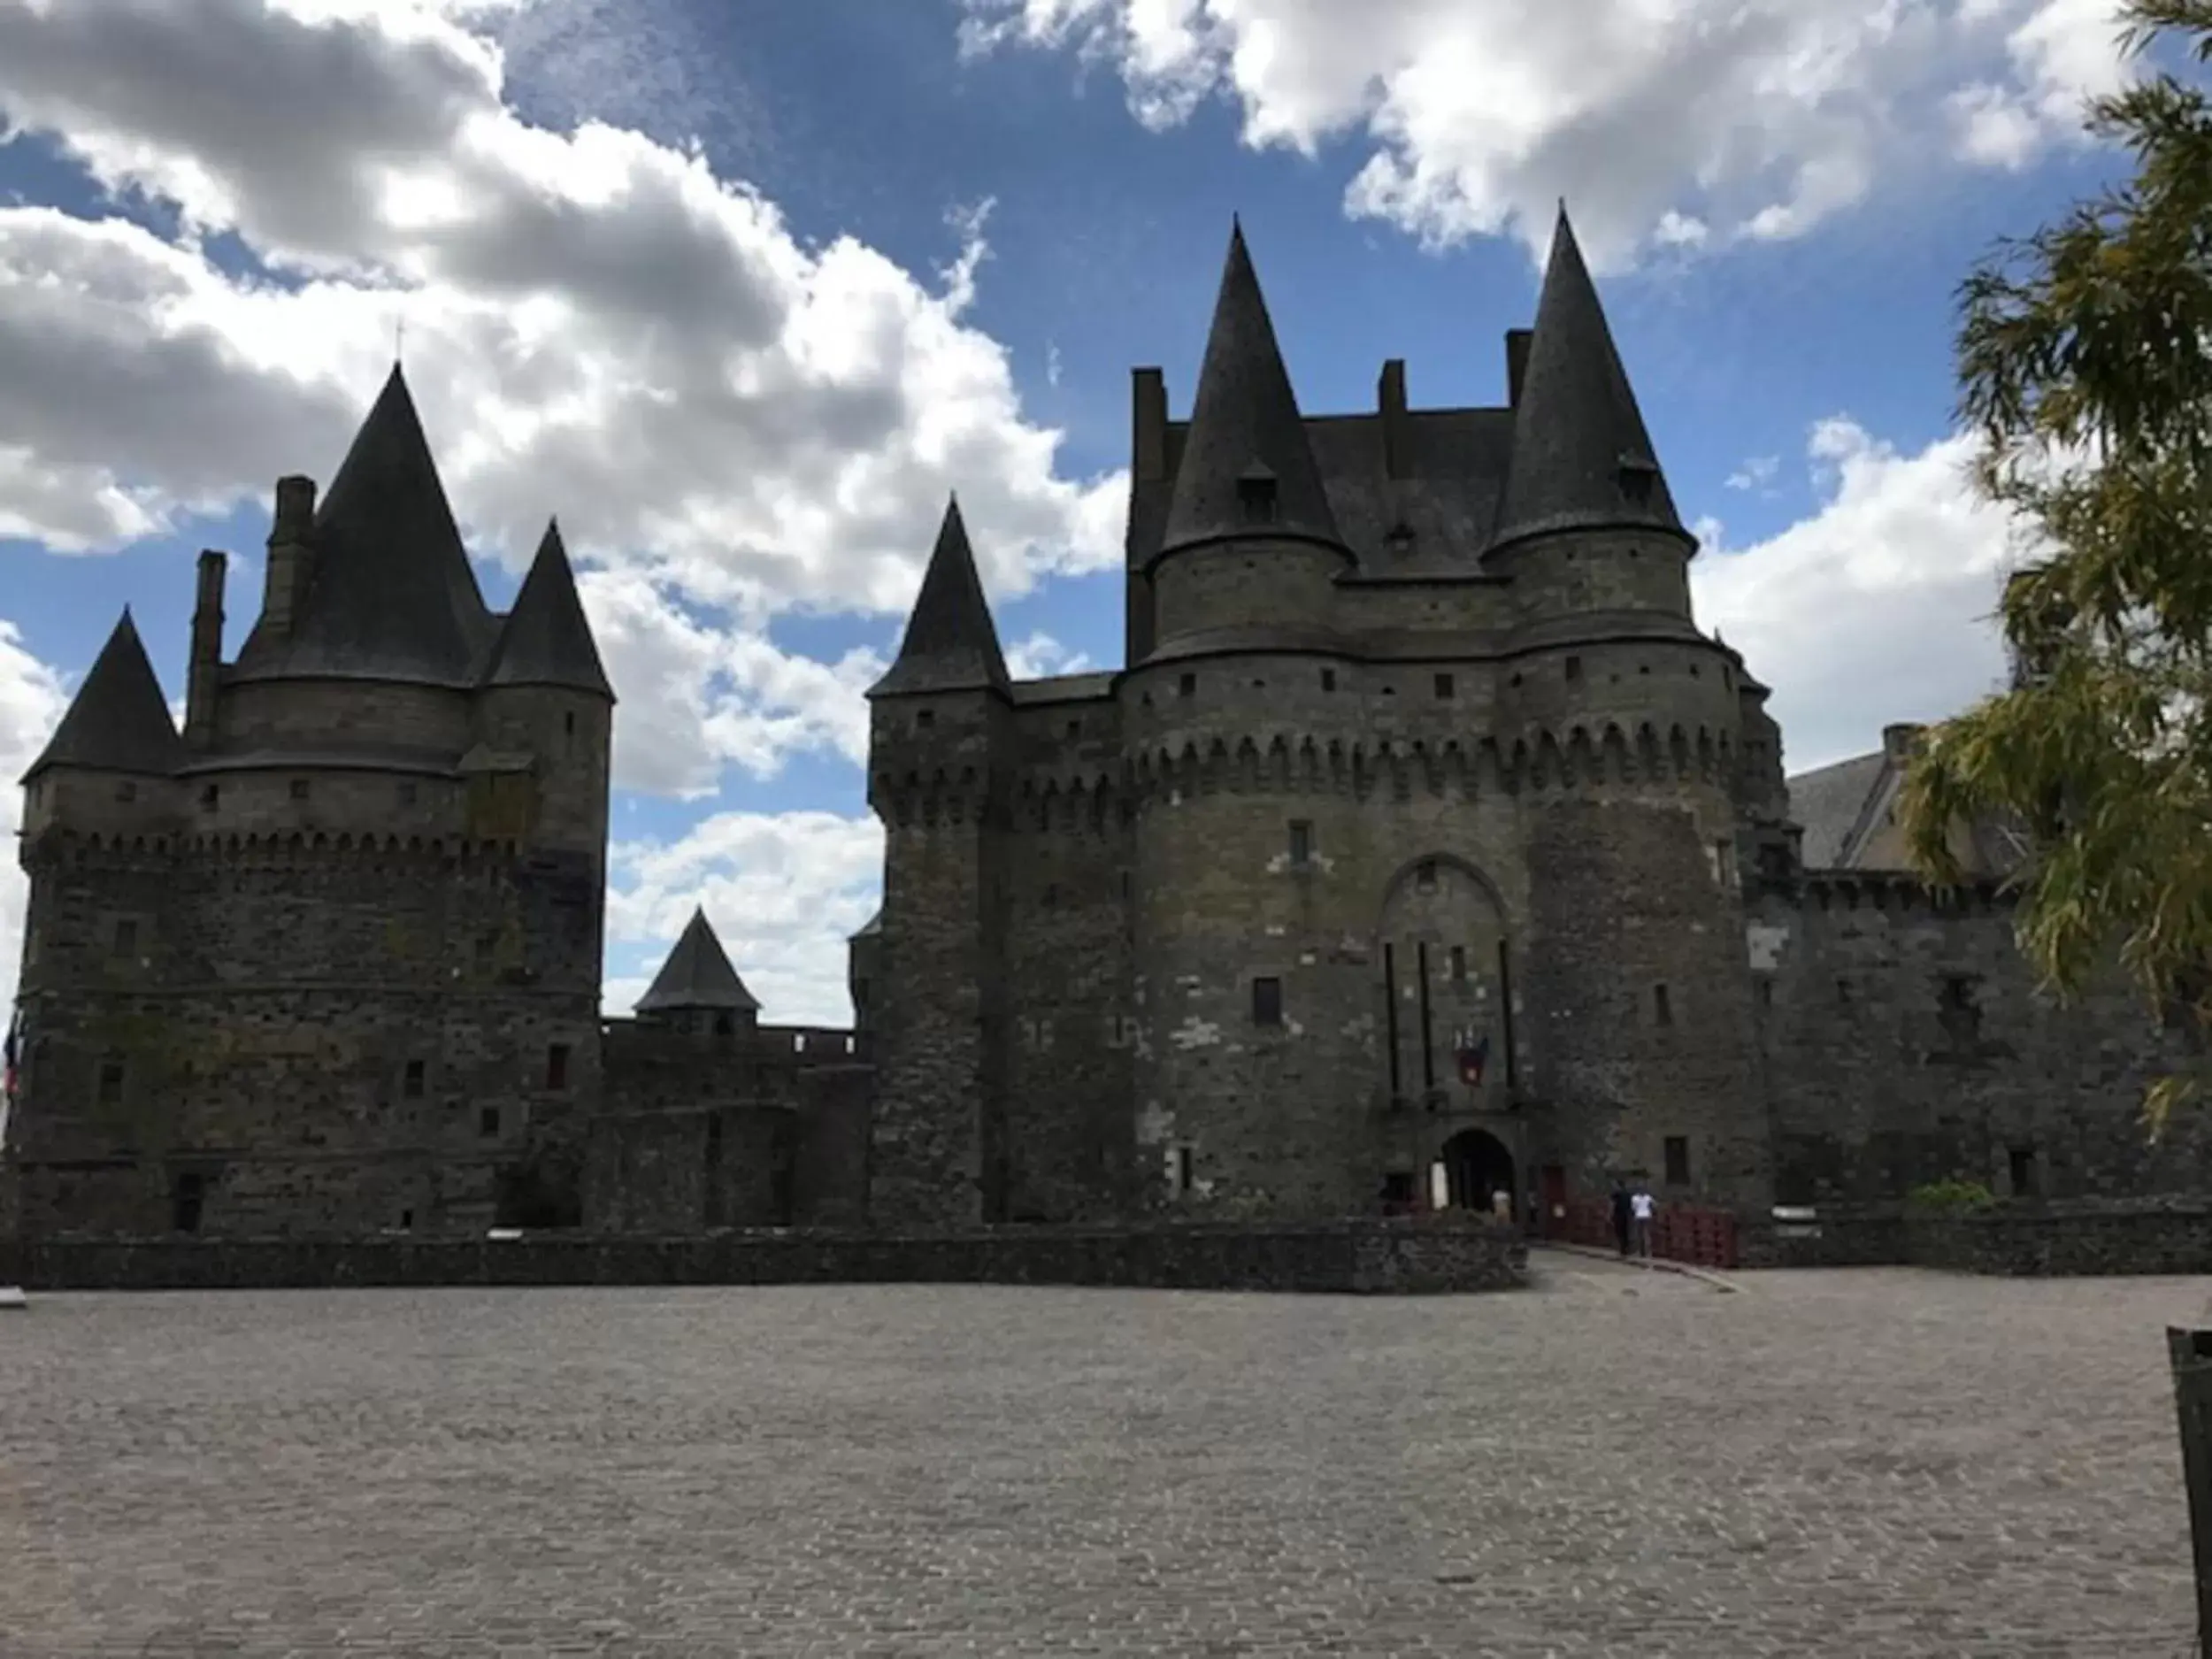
<point>546,640</point>
<point>697,975</point>
<point>119,721</point>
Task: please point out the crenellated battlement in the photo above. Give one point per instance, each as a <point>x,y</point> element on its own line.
<point>66,848</point>
<point>1899,891</point>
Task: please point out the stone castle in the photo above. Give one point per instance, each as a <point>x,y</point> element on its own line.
<point>1424,849</point>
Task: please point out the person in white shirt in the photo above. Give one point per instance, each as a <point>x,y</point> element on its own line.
<point>1640,1209</point>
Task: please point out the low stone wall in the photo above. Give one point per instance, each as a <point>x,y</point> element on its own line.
<point>2080,1238</point>
<point>1358,1255</point>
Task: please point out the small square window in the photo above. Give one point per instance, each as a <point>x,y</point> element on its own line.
<point>111,1082</point>
<point>487,1121</point>
<point>726,1023</point>
<point>1662,1006</point>
<point>126,790</point>
<point>126,941</point>
<point>412,1083</point>
<point>407,794</point>
<point>557,1067</point>
<point>1843,991</point>
<point>1678,1160</point>
<point>1328,679</point>
<point>1301,842</point>
<point>568,724</point>
<point>1255,493</point>
<point>1424,875</point>
<point>1574,669</point>
<point>1075,728</point>
<point>210,797</point>
<point>1267,1002</point>
<point>2021,1161</point>
<point>188,1197</point>
<point>299,788</point>
<point>1051,894</point>
<point>1188,686</point>
<point>1459,961</point>
<point>924,717</point>
<point>1445,688</point>
<point>406,1221</point>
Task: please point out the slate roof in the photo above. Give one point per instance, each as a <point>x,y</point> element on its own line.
<point>950,643</point>
<point>546,640</point>
<point>1578,438</point>
<point>1244,423</point>
<point>119,721</point>
<point>1828,801</point>
<point>391,595</point>
<point>697,974</point>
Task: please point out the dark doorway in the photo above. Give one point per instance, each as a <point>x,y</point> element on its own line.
<point>1476,1165</point>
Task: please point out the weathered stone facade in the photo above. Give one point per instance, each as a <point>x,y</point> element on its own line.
<point>1425,846</point>
<point>329,961</point>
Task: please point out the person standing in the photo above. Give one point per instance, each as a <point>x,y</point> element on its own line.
<point>1640,1209</point>
<point>1620,1217</point>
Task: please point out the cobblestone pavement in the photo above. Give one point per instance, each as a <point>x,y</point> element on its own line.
<point>1617,1462</point>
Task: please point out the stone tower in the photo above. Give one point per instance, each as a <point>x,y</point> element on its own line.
<point>1400,861</point>
<point>328,960</point>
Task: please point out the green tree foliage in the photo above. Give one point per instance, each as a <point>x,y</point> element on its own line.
<point>2085,369</point>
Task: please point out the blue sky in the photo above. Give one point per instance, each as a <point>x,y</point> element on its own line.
<point>741,291</point>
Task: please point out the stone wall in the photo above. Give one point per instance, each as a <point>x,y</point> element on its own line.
<point>1905,1042</point>
<point>1357,1256</point>
<point>300,1034</point>
<point>2081,1237</point>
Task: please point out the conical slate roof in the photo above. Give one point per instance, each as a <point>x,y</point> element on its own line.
<point>697,974</point>
<point>1581,457</point>
<point>546,640</point>
<point>392,597</point>
<point>1244,424</point>
<point>119,721</point>
<point>950,643</point>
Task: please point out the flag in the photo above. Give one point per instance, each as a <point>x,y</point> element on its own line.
<point>1473,1057</point>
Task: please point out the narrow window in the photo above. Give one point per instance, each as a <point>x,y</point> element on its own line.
<point>126,936</point>
<point>1424,875</point>
<point>1843,992</point>
<point>487,1121</point>
<point>723,1025</point>
<point>1052,895</point>
<point>1255,493</point>
<point>1301,842</point>
<point>1662,1006</point>
<point>127,790</point>
<point>1574,670</point>
<point>299,788</point>
<point>1188,686</point>
<point>412,1085</point>
<point>1766,992</point>
<point>1514,681</point>
<point>1459,963</point>
<point>798,1042</point>
<point>925,719</point>
<point>406,1221</point>
<point>210,797</point>
<point>1267,1002</point>
<point>1328,679</point>
<point>111,1082</point>
<point>187,1198</point>
<point>1183,1162</point>
<point>1128,886</point>
<point>2022,1161</point>
<point>557,1067</point>
<point>1678,1160</point>
<point>1444,688</point>
<point>568,724</point>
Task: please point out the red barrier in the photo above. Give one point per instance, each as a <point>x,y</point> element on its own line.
<point>1681,1232</point>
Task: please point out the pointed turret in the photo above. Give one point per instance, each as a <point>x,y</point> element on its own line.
<point>1246,465</point>
<point>119,721</point>
<point>697,975</point>
<point>547,640</point>
<point>392,595</point>
<point>950,643</point>
<point>1581,457</point>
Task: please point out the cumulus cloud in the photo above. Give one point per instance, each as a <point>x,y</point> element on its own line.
<point>595,323</point>
<point>31,703</point>
<point>1878,607</point>
<point>1666,126</point>
<point>784,893</point>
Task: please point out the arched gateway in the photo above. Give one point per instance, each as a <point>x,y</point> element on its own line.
<point>1477,1164</point>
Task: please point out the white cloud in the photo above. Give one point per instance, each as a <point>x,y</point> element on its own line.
<point>1755,473</point>
<point>1040,656</point>
<point>1876,609</point>
<point>597,324</point>
<point>784,892</point>
<point>1665,124</point>
<point>31,705</point>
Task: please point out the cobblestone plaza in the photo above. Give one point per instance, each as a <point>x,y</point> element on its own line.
<point>1879,1461</point>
